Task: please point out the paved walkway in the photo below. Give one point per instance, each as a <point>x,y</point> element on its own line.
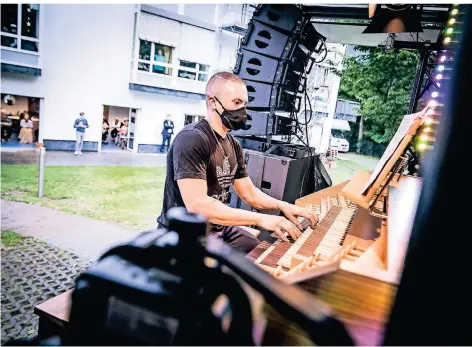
<point>85,237</point>
<point>63,158</point>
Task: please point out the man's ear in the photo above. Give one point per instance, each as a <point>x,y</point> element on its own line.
<point>212,103</point>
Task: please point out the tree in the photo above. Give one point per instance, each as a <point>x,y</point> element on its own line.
<point>382,82</point>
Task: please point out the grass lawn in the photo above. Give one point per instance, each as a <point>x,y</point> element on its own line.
<point>10,238</point>
<point>346,167</point>
<point>131,196</point>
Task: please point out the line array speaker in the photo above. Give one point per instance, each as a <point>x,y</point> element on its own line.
<point>273,57</point>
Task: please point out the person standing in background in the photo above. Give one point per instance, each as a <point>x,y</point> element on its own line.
<point>6,126</point>
<point>167,132</point>
<point>105,129</point>
<point>115,128</point>
<point>26,133</point>
<point>80,125</point>
<point>159,56</point>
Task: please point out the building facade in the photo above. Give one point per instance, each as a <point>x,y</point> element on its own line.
<point>322,89</point>
<point>126,61</point>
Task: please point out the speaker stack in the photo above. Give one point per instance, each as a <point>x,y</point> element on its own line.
<point>273,59</point>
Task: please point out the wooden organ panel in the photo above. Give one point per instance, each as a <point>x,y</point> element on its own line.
<point>351,260</point>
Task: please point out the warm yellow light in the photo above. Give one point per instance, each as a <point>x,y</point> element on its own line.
<point>424,137</point>
<point>452,21</point>
<point>447,40</point>
<point>421,146</point>
<point>455,11</point>
<point>450,30</point>
<point>427,129</point>
<point>432,103</point>
<point>428,121</point>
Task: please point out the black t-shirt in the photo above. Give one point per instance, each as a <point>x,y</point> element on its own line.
<point>195,154</point>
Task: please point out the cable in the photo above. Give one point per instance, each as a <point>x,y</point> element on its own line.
<point>311,113</point>
<point>298,137</point>
<point>302,185</point>
<point>306,122</point>
<point>325,50</point>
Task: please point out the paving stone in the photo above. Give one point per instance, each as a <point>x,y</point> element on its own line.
<point>22,291</point>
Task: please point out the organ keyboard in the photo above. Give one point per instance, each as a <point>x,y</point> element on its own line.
<point>353,258</point>
<point>350,260</point>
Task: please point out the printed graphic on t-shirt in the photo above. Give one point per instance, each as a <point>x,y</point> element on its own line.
<point>225,176</point>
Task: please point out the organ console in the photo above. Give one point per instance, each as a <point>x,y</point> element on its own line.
<point>352,260</point>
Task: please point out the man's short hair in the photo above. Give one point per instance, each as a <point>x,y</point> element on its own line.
<point>222,76</point>
<point>81,113</point>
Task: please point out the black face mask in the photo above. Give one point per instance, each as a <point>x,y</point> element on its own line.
<point>235,119</point>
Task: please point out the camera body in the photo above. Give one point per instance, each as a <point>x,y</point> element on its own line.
<point>121,303</point>
<point>155,290</point>
<point>161,288</point>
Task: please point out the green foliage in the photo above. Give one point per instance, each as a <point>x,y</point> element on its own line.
<point>382,82</point>
<point>10,238</point>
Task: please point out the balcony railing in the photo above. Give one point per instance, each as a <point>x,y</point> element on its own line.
<point>347,110</point>
<point>235,17</point>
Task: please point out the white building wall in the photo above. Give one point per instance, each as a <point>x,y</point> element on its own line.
<point>337,52</point>
<point>320,127</point>
<point>227,48</point>
<point>86,61</point>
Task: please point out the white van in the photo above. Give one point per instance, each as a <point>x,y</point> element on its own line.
<point>338,141</point>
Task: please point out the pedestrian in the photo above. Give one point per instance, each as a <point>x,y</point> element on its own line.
<point>6,127</point>
<point>105,129</point>
<point>167,132</point>
<point>115,128</point>
<point>80,125</point>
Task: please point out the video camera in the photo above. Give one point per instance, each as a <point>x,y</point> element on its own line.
<point>159,289</point>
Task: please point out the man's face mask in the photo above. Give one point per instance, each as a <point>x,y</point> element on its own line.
<point>234,119</point>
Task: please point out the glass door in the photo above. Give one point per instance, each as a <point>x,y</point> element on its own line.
<point>133,113</point>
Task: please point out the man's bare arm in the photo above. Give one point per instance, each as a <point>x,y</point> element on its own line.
<point>194,194</point>
<point>247,191</point>
<point>196,200</point>
<point>253,196</point>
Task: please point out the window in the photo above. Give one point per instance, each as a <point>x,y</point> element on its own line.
<point>155,58</point>
<point>20,27</point>
<point>192,119</point>
<point>337,134</point>
<point>10,19</point>
<point>193,71</point>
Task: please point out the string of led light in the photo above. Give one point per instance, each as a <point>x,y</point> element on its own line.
<point>445,64</point>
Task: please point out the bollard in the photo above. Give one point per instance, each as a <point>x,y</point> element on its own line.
<point>42,154</point>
